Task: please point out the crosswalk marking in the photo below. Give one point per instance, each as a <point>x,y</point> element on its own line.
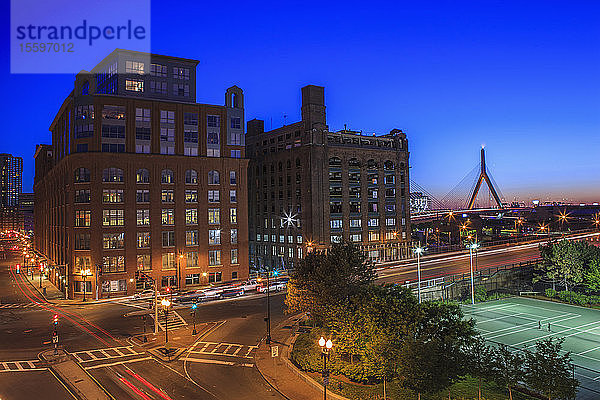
<point>224,349</point>
<point>87,356</point>
<point>18,305</point>
<point>16,366</point>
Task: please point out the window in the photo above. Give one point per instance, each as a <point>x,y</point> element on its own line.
<point>113,240</point>
<point>82,241</point>
<point>82,175</point>
<point>214,216</point>
<point>143,262</point>
<point>390,221</point>
<point>113,148</point>
<point>191,216</point>
<point>191,261</point>
<point>335,162</point>
<point>232,178</point>
<point>234,256</point>
<point>143,217</point>
<point>158,87</point>
<point>167,196</point>
<point>181,73</point>
<point>372,193</point>
<point>142,148</point>
<point>214,257</point>
<point>112,175</point>
<point>335,207</point>
<point>166,176</point>
<point>373,235</point>
<point>168,239</point>
<point>214,236</point>
<point>233,215</point>
<point>181,89</point>
<point>299,239</point>
<point>355,223</point>
<point>191,196</point>
<point>84,112</point>
<point>113,217</point>
<point>236,123</point>
<point>134,85</point>
<point>191,177</point>
<point>112,195</point>
<point>134,67</point>
<point>82,196</point>
<point>388,165</point>
<point>390,192</point>
<point>356,237</point>
<point>213,177</point>
<point>168,261</point>
<point>390,208</point>
<point>112,264</point>
<point>142,176</point>
<point>233,196</point>
<point>82,217</point>
<point>213,121</point>
<point>236,154</point>
<point>213,196</point>
<point>335,238</point>
<point>82,262</point>
<point>113,112</point>
<point>234,236</point>
<point>373,222</point>
<point>82,148</point>
<point>158,70</point>
<point>214,277</point>
<point>167,117</point>
<point>335,224</point>
<point>167,280</point>
<point>168,216</point>
<point>143,240</point>
<point>389,179</point>
<point>192,279</point>
<point>191,238</point>
<point>142,196</point>
<point>373,207</point>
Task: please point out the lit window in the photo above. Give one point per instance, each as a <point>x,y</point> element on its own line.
<point>214,216</point>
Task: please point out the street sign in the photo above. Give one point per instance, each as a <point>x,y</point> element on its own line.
<point>55,339</point>
<point>275,351</point>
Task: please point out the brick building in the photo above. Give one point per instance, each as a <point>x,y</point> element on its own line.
<point>310,187</point>
<point>141,177</point>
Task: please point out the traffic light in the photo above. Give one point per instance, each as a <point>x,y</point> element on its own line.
<point>55,319</point>
<point>276,273</point>
<point>168,289</point>
<point>18,268</point>
<point>194,306</point>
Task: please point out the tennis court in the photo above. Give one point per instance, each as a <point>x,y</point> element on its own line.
<point>519,322</point>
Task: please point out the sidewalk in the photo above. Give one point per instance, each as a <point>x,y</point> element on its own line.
<point>51,293</point>
<point>279,371</point>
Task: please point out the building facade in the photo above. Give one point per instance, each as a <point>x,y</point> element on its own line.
<point>140,177</point>
<point>310,187</point>
<point>11,186</point>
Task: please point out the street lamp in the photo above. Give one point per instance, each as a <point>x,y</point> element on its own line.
<point>472,246</point>
<point>166,303</point>
<point>84,274</point>
<point>326,345</point>
<point>418,250</point>
<point>194,306</point>
<point>179,271</point>
<point>268,317</point>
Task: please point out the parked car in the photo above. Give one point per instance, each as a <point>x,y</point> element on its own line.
<point>144,294</point>
<point>233,292</point>
<point>209,294</point>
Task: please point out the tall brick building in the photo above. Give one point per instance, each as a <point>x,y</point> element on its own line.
<point>310,187</point>
<point>141,177</point>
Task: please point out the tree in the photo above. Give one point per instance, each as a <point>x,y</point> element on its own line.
<point>565,261</point>
<point>479,361</point>
<point>418,365</point>
<point>507,367</point>
<point>548,370</point>
<point>592,275</point>
<point>322,279</point>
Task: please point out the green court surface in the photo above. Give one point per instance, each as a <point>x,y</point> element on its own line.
<point>516,321</point>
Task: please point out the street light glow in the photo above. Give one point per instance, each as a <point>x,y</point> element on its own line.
<point>165,302</point>
<point>322,341</point>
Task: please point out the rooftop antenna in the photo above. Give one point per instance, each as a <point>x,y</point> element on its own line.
<point>284,119</point>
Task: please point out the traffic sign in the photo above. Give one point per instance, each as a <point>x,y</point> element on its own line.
<point>55,339</point>
<point>275,351</point>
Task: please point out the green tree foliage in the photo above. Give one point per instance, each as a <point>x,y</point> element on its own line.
<point>507,368</point>
<point>548,370</point>
<point>567,261</point>
<point>479,361</point>
<point>322,280</point>
<point>592,275</point>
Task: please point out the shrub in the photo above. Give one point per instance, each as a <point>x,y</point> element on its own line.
<point>550,293</point>
<point>480,294</point>
<point>573,297</point>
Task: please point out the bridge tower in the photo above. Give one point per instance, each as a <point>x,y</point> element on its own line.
<point>483,175</point>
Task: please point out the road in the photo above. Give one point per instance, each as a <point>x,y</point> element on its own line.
<point>220,366</point>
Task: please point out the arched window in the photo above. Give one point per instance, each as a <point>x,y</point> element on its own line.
<point>353,162</point>
<point>212,138</point>
<point>388,165</point>
<point>272,168</point>
<point>112,175</point>
<point>289,164</point>
<point>191,177</point>
<point>297,162</point>
<point>82,175</point>
<point>213,177</point>
<point>280,166</point>
<point>142,176</point>
<point>371,164</point>
<point>166,176</point>
<point>335,162</point>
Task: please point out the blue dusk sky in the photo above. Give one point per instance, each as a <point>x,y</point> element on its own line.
<point>521,77</point>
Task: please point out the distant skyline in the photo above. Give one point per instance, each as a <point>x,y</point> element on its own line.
<point>521,78</point>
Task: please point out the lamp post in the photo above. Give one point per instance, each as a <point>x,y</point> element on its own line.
<point>268,318</point>
<point>84,274</point>
<point>179,271</point>
<point>418,250</point>
<point>472,246</point>
<point>166,303</point>
<point>194,306</point>
<point>326,345</point>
